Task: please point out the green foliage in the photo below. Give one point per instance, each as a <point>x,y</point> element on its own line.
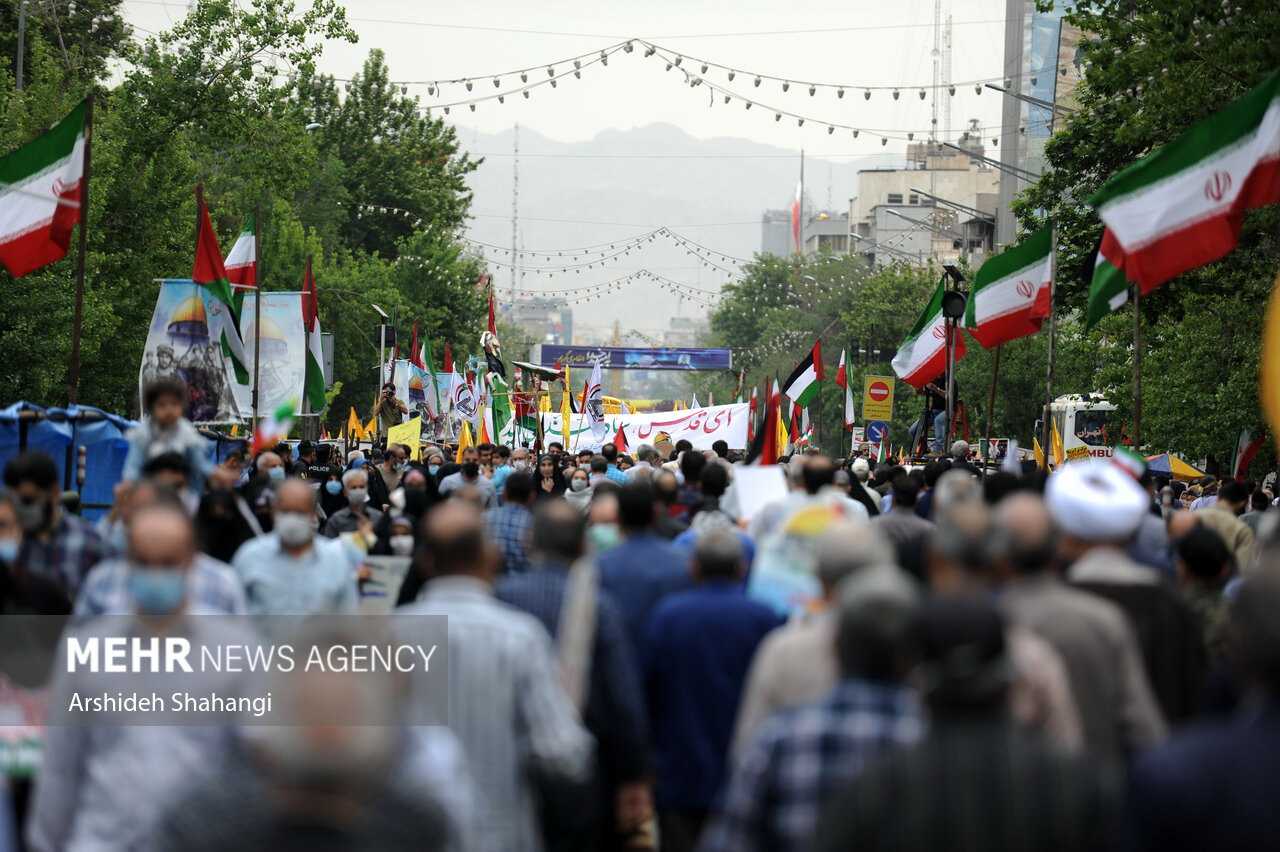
<point>225,98</point>
<point>1152,71</point>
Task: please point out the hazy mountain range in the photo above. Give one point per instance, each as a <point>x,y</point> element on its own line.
<point>626,183</point>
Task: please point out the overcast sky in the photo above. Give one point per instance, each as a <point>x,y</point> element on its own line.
<point>854,44</point>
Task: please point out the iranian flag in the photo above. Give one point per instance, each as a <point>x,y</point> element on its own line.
<point>737,395</point>
<point>273,427</point>
<point>501,408</point>
<point>241,262</point>
<point>842,375</point>
<point>314,381</point>
<point>882,451</point>
<point>209,273</point>
<point>41,189</point>
<point>1183,206</point>
<point>923,355</point>
<point>1109,289</point>
<point>1010,297</point>
<point>802,385</point>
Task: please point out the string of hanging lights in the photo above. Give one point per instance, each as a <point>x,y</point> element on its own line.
<point>532,78</point>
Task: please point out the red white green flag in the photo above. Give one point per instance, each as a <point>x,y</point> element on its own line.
<point>1183,206</point>
<point>273,427</point>
<point>314,381</point>
<point>209,273</point>
<point>850,413</point>
<point>923,355</point>
<point>842,376</point>
<point>41,189</point>
<point>1010,297</point>
<point>241,262</point>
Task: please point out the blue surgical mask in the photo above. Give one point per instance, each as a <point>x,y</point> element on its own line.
<point>604,537</point>
<point>9,548</point>
<point>433,469</point>
<point>334,487</point>
<point>157,591</point>
<point>277,474</point>
<point>397,465</point>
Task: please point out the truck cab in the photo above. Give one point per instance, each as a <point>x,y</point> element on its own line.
<point>1086,426</point>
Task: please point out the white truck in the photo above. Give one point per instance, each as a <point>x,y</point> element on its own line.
<point>1086,426</point>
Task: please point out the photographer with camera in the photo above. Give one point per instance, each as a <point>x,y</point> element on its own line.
<point>389,410</point>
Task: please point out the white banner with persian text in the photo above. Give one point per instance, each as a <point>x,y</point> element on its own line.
<point>701,427</point>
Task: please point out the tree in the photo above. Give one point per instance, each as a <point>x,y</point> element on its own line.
<point>1151,71</point>
<point>388,154</point>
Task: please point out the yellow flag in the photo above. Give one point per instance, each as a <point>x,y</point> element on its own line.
<point>1035,447</point>
<point>1269,364</point>
<point>464,440</point>
<point>371,428</point>
<point>1058,455</point>
<point>354,430</point>
<point>235,430</point>
<point>783,437</point>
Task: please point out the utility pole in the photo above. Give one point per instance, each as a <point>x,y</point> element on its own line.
<point>515,212</point>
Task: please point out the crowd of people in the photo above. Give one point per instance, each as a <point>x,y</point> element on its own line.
<point>1087,659</point>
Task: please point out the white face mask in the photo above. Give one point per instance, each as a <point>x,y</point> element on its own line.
<point>357,496</point>
<point>521,465</point>
<point>401,545</point>
<point>294,528</point>
<point>578,485</point>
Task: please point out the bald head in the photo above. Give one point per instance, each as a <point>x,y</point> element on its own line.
<point>1181,523</point>
<point>161,536</point>
<point>846,548</point>
<point>604,510</point>
<point>1027,532</point>
<point>295,495</point>
<point>962,549</point>
<point>455,541</point>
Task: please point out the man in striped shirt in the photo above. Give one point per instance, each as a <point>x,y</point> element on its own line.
<point>505,704</point>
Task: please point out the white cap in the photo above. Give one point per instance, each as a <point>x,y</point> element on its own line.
<point>860,465</point>
<point>1095,501</point>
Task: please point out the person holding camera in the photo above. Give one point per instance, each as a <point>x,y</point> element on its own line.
<point>389,410</point>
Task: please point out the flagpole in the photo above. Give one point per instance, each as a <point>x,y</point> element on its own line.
<point>991,404</point>
<point>306,347</point>
<point>1135,441</point>
<point>73,369</point>
<point>1053,290</point>
<point>257,311</point>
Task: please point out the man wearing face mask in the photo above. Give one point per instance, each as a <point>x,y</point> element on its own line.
<point>358,515</point>
<point>107,786</point>
<point>470,475</point>
<point>21,592</point>
<point>55,545</point>
<point>293,570</point>
<point>210,584</point>
<point>504,466</point>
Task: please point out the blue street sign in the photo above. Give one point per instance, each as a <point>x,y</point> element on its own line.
<point>876,430</point>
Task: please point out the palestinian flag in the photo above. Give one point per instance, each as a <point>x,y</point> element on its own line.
<point>1110,289</point>
<point>923,355</point>
<point>41,190</point>
<point>1010,297</point>
<point>314,381</point>
<point>525,412</point>
<point>767,444</point>
<point>1183,206</point>
<point>212,275</point>
<point>802,385</point>
<point>273,427</point>
<point>241,262</point>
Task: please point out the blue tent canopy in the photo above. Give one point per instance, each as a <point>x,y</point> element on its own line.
<point>57,430</point>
